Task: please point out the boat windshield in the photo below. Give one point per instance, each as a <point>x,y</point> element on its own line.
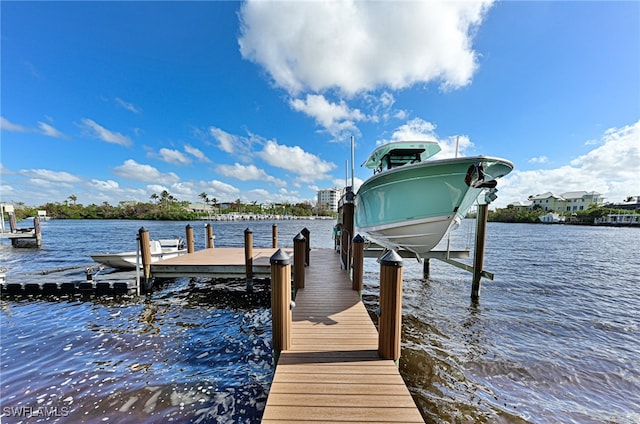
<point>400,157</point>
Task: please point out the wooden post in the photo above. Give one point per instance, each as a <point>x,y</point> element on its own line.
<point>478,255</point>
<point>145,254</point>
<point>210,236</point>
<point>280,301</point>
<point>390,319</point>
<point>13,224</point>
<point>307,237</point>
<point>248,253</point>
<point>426,265</point>
<point>37,231</point>
<point>274,236</point>
<point>358,263</point>
<point>299,247</point>
<point>347,227</point>
<point>190,241</point>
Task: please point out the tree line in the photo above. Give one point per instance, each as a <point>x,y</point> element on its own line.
<point>161,207</point>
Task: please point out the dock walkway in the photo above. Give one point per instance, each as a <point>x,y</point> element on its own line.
<point>333,373</point>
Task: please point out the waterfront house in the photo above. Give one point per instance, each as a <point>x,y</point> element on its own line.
<point>571,201</point>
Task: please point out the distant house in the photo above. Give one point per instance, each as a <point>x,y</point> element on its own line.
<point>571,201</point>
<point>630,203</point>
<point>521,206</point>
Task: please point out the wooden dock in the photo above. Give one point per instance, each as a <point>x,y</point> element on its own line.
<point>333,373</point>
<point>227,262</point>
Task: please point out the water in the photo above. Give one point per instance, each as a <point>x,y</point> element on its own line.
<point>554,338</point>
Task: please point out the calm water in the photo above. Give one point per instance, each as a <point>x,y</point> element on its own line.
<point>554,338</point>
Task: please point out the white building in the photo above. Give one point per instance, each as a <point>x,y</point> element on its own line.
<point>571,201</point>
<point>328,198</point>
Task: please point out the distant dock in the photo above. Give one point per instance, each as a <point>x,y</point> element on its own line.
<point>29,236</point>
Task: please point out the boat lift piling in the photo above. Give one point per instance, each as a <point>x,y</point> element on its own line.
<point>210,237</point>
<point>299,252</point>
<point>357,276</point>
<point>478,256</point>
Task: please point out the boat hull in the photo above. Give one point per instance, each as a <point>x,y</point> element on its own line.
<point>128,260</point>
<point>413,206</point>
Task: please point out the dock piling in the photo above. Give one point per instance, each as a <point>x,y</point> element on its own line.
<point>210,236</point>
<point>281,301</point>
<point>358,263</point>
<point>390,319</point>
<point>274,236</point>
<point>426,268</point>
<point>145,254</point>
<point>307,237</point>
<point>299,247</point>
<point>478,256</point>
<point>190,241</point>
<point>248,254</point>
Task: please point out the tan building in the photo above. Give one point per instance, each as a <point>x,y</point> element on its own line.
<point>571,201</point>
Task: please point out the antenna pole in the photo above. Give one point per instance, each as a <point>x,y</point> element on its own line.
<point>457,143</point>
<point>352,162</point>
<point>346,173</point>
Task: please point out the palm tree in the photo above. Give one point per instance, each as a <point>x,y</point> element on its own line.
<point>154,197</point>
<point>205,199</point>
<point>73,198</point>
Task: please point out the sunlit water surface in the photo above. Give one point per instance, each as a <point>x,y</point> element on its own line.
<point>554,338</point>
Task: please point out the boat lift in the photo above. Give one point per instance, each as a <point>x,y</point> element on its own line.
<point>344,241</point>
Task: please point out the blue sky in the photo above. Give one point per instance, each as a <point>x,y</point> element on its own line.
<point>115,101</point>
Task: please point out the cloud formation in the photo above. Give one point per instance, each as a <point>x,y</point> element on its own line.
<point>133,170</point>
<point>355,46</point>
<point>98,131</point>
<point>248,173</point>
<point>6,125</point>
<point>612,168</point>
<point>307,166</point>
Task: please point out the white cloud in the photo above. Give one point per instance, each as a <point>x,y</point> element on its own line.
<point>108,185</point>
<point>307,166</point>
<point>174,157</point>
<point>197,153</point>
<point>128,106</point>
<point>612,169</point>
<point>248,173</point>
<point>225,140</point>
<point>359,46</point>
<point>539,159</point>
<point>98,131</point>
<point>6,125</point>
<point>50,131</point>
<point>133,170</point>
<point>219,190</point>
<point>337,118</point>
<point>53,176</point>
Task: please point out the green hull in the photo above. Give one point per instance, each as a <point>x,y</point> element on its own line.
<point>411,207</point>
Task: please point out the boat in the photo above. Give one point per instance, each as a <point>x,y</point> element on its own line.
<point>552,218</point>
<point>411,201</point>
<point>160,249</point>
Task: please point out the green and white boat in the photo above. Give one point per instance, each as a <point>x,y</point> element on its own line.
<point>410,202</point>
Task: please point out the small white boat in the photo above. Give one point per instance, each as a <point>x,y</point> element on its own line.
<point>160,249</point>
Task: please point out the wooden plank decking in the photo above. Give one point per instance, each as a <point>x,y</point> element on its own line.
<point>216,262</point>
<point>333,373</point>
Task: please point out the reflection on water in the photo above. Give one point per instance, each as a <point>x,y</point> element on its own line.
<point>185,354</point>
<point>554,338</point>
